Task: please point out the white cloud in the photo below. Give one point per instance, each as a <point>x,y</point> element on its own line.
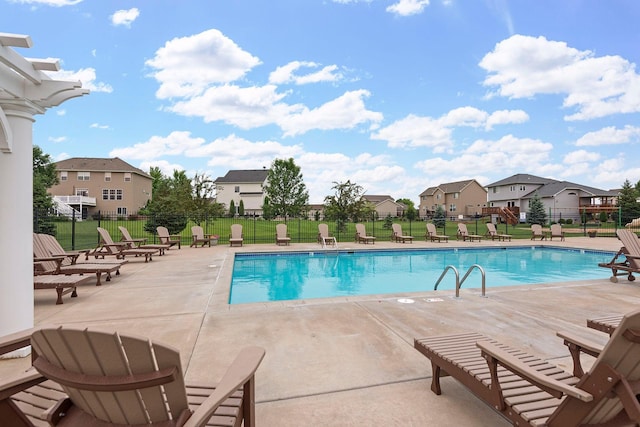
<point>287,73</point>
<point>187,66</point>
<point>61,156</point>
<point>610,135</point>
<point>98,126</point>
<point>523,66</point>
<point>125,17</point>
<point>165,167</point>
<point>581,156</point>
<point>61,112</point>
<point>57,139</point>
<point>176,143</point>
<point>408,7</point>
<point>86,75</point>
<point>504,117</point>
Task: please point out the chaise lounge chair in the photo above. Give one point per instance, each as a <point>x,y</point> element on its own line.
<point>282,237</point>
<point>556,231</point>
<point>463,233</point>
<point>536,232</point>
<point>166,238</point>
<point>397,235</point>
<point>236,237</point>
<point>493,233</point>
<point>199,238</point>
<point>361,235</point>
<point>140,243</point>
<point>119,250</point>
<point>73,257</point>
<point>631,262</point>
<point>81,377</point>
<point>46,264</point>
<point>529,391</point>
<point>432,234</point>
<point>324,238</point>
<point>63,284</point>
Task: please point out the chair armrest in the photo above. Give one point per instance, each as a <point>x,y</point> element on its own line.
<point>516,366</point>
<point>16,340</point>
<point>587,346</point>
<point>58,258</point>
<point>19,382</point>
<point>241,371</point>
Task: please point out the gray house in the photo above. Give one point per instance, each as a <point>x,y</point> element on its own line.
<point>509,198</point>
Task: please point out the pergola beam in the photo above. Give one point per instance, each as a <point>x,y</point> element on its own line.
<point>15,40</point>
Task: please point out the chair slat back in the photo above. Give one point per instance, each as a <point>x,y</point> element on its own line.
<point>362,232</point>
<point>105,354</point>
<point>536,229</point>
<point>397,229</point>
<point>491,229</point>
<point>53,247</point>
<point>163,234</point>
<point>106,239</point>
<point>556,229</point>
<point>236,231</point>
<point>431,229</point>
<point>323,229</point>
<point>462,229</point>
<point>40,251</point>
<point>125,233</point>
<point>281,230</point>
<point>632,244</point>
<point>197,232</point>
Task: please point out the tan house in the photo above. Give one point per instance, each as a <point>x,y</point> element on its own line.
<point>89,185</point>
<point>460,200</point>
<point>242,185</point>
<point>385,205</point>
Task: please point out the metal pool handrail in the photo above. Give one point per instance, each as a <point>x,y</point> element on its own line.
<point>460,282</point>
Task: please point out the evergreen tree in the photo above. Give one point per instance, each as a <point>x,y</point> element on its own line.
<point>241,208</point>
<point>439,216</point>
<point>232,209</point>
<point>537,214</point>
<point>628,202</point>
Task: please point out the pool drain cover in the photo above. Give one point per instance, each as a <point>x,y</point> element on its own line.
<point>405,301</point>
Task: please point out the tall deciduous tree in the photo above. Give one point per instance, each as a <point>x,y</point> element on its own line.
<point>411,213</point>
<point>346,203</point>
<point>285,188</point>
<point>44,177</point>
<point>202,205</point>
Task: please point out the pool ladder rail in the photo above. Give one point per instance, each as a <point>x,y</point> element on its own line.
<point>460,282</point>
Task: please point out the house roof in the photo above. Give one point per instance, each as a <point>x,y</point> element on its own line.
<point>91,164</point>
<point>377,198</point>
<point>448,187</point>
<point>251,175</point>
<point>555,187</point>
<point>522,178</point>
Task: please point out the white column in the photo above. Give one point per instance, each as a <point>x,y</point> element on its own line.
<point>16,223</point>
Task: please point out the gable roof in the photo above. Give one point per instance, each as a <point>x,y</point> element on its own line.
<point>522,178</point>
<point>449,187</point>
<point>91,164</point>
<point>247,176</point>
<point>555,187</point>
<point>377,198</point>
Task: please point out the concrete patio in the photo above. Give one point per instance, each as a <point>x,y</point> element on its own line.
<point>339,361</point>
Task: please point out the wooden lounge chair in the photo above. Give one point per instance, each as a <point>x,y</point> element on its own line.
<point>119,249</point>
<point>529,391</point>
<point>556,231</point>
<point>432,234</point>
<point>140,243</point>
<point>45,264</point>
<point>324,237</point>
<point>199,238</point>
<point>493,233</point>
<point>63,284</point>
<point>281,235</point>
<point>397,235</point>
<point>361,235</point>
<point>166,238</point>
<point>631,262</point>
<point>537,232</point>
<point>606,324</point>
<point>73,257</point>
<point>236,237</point>
<point>81,378</point>
<point>463,234</point>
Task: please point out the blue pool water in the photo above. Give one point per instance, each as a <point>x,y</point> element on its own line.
<point>282,276</point>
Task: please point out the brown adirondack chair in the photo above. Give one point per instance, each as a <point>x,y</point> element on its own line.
<point>236,237</point>
<point>463,233</point>
<point>537,232</point>
<point>324,237</point>
<point>199,238</point>
<point>397,235</point>
<point>119,249</point>
<point>361,235</point>
<point>141,242</point>
<point>529,391</point>
<point>631,262</point>
<point>73,257</point>
<point>282,237</point>
<point>432,234</point>
<point>166,238</point>
<point>84,377</point>
<point>493,233</point>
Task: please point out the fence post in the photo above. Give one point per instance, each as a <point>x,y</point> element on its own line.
<point>99,222</point>
<point>73,230</point>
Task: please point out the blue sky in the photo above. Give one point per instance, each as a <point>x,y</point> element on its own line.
<point>395,95</point>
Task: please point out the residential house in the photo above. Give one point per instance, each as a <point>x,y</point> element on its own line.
<point>242,185</point>
<point>385,205</point>
<point>461,199</point>
<point>89,185</point>
<point>561,199</point>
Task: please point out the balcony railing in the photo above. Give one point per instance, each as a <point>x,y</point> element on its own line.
<point>76,200</point>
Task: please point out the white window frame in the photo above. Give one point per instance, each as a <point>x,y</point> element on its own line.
<point>127,177</point>
<point>82,192</point>
<point>84,176</point>
<point>63,175</point>
<point>107,177</point>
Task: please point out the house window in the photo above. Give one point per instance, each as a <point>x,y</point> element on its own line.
<point>452,207</point>
<point>105,194</point>
<point>107,176</point>
<point>237,189</point>
<point>121,211</point>
<point>82,192</point>
<point>523,188</point>
<point>437,196</point>
<point>456,195</point>
<point>495,190</point>
<point>512,188</point>
<point>127,177</point>
<point>63,176</point>
<point>110,194</point>
<point>84,176</point>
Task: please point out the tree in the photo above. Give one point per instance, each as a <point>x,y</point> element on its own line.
<point>44,177</point>
<point>346,204</point>
<point>267,210</point>
<point>537,215</point>
<point>439,216</point>
<point>241,208</point>
<point>232,209</point>
<point>286,189</point>
<point>410,213</point>
<point>171,199</point>
<point>628,202</point>
<point>203,207</point>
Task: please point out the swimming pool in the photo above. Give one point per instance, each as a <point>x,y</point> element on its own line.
<point>260,277</point>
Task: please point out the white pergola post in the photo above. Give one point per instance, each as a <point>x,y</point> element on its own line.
<point>24,92</point>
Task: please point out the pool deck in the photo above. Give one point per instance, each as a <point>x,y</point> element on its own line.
<point>336,361</point>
